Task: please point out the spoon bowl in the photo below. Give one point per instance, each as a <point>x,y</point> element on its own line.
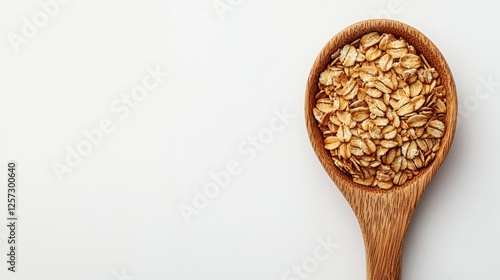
<point>383,215</point>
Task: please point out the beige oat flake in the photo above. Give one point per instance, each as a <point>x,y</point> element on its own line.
<point>380,107</point>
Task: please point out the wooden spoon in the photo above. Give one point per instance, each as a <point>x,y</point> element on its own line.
<point>383,215</point>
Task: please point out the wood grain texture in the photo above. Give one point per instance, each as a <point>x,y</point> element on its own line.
<point>383,215</point>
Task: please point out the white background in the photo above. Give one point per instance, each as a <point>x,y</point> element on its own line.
<point>116,216</point>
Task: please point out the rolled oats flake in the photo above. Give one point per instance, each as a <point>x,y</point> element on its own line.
<point>381,109</point>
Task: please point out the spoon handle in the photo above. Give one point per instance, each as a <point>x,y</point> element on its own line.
<point>384,219</point>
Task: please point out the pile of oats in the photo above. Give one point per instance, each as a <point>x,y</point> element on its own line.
<point>381,108</point>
